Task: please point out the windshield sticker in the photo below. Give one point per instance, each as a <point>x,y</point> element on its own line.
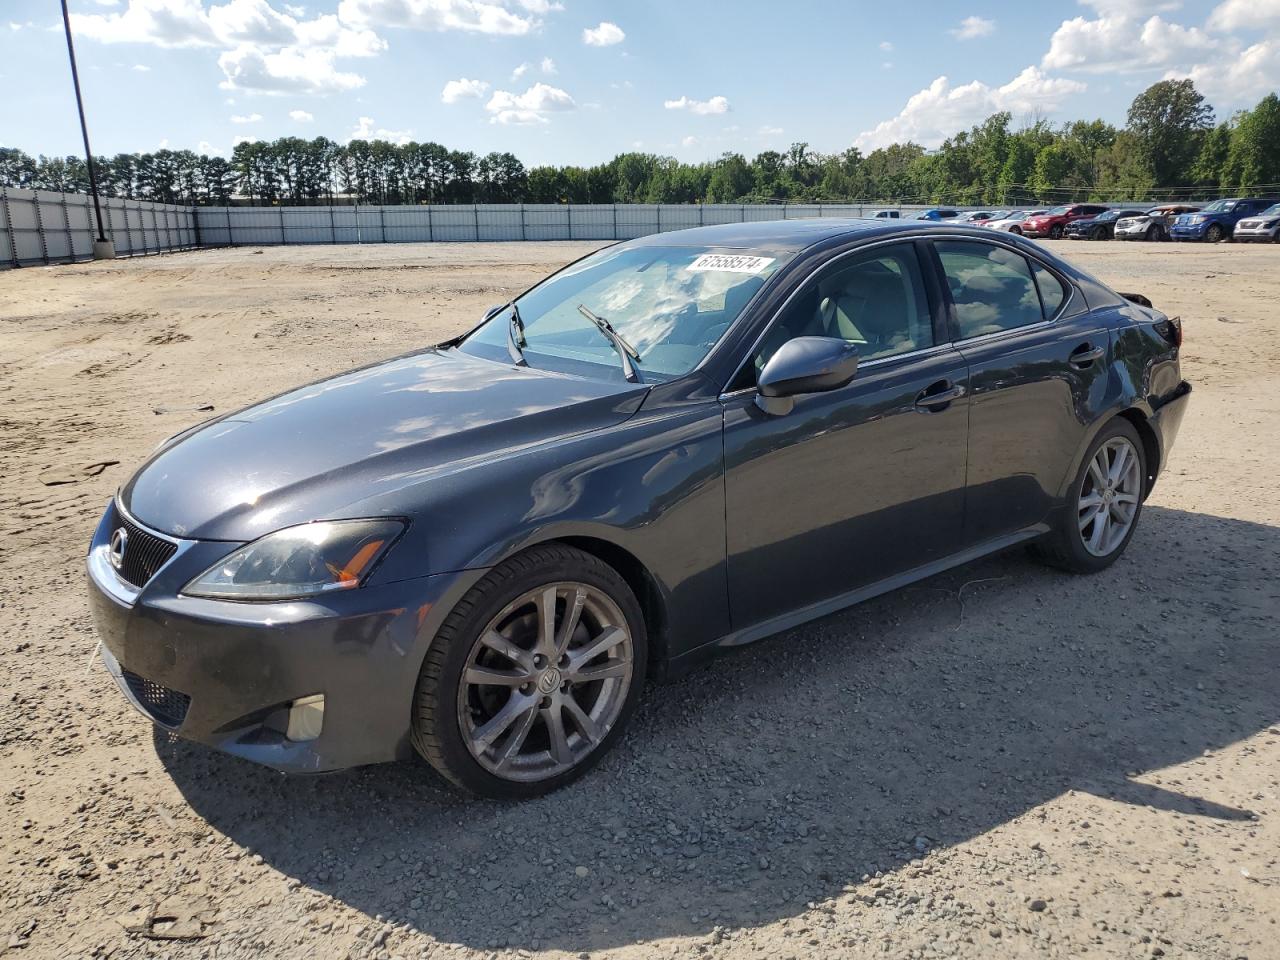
<point>729,263</point>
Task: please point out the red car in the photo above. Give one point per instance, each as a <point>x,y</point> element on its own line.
<point>1052,223</point>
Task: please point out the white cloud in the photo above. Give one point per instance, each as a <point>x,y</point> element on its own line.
<point>940,109</point>
<point>164,23</point>
<point>1244,15</point>
<point>300,116</point>
<point>107,3</point>
<point>973,27</point>
<point>886,46</point>
<point>605,35</point>
<point>519,71</point>
<point>1119,43</point>
<point>541,7</point>
<point>365,130</point>
<point>289,70</point>
<point>689,142</point>
<point>264,50</point>
<point>463,89</point>
<point>471,16</point>
<point>163,144</point>
<point>207,148</point>
<point>295,10</point>
<point>1239,80</point>
<point>140,68</point>
<point>529,107</point>
<point>770,131</point>
<point>251,118</point>
<point>239,140</point>
<point>548,66</point>
<point>701,107</point>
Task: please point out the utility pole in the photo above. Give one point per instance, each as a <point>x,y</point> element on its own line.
<point>103,249</point>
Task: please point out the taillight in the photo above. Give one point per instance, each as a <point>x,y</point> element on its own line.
<point>1171,330</point>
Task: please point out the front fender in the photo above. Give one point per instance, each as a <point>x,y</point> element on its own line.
<point>651,486</point>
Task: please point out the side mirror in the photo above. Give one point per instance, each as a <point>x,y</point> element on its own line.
<point>804,365</point>
<point>495,310</point>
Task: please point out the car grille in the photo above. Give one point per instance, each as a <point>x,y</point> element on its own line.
<point>144,553</point>
<point>165,706</point>
<point>1249,224</point>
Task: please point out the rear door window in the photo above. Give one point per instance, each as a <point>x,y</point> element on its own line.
<point>991,287</point>
<point>1053,292</point>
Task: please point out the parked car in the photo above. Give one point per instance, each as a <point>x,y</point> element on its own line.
<point>886,215</point>
<point>937,214</point>
<point>1053,223</point>
<point>1218,220</point>
<point>976,218</point>
<point>481,550</point>
<point>1262,228</point>
<point>1013,222</point>
<point>1151,225</point>
<point>1100,227</point>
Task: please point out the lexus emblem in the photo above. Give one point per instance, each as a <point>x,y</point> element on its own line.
<point>119,541</point>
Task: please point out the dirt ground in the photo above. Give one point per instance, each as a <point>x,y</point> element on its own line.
<point>1004,761</point>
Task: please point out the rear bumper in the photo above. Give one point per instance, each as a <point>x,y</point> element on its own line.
<point>1166,418</point>
<point>224,674</point>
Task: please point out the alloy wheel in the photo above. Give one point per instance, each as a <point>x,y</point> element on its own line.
<point>545,681</point>
<point>1109,496</point>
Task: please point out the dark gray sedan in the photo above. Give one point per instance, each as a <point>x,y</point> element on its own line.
<point>672,447</point>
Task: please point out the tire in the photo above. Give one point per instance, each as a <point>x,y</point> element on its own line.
<point>451,708</point>
<point>1017,230</point>
<point>1215,233</point>
<point>1055,232</point>
<point>1068,546</point>
<point>1153,234</point>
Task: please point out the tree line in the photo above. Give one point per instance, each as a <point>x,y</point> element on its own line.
<point>1170,147</point>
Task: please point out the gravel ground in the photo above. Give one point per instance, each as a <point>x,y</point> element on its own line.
<point>1004,761</point>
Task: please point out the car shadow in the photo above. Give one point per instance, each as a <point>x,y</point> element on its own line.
<point>781,774</point>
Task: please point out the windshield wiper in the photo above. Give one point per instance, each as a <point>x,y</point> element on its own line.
<point>626,352</point>
<point>515,336</point>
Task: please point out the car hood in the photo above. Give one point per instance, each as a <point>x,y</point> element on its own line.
<point>312,452</point>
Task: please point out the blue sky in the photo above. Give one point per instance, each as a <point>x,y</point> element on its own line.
<point>578,81</point>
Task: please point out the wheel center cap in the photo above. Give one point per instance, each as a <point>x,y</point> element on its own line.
<point>549,681</point>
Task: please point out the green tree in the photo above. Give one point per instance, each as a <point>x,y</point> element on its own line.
<point>1169,119</point>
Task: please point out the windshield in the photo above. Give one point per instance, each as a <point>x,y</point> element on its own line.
<point>1056,211</point>
<point>1109,215</point>
<point>672,304</point>
<point>1271,211</point>
<point>1218,206</point>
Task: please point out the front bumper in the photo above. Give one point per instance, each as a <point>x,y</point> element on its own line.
<point>1194,231</point>
<point>224,673</point>
<point>1132,233</point>
<point>1255,234</point>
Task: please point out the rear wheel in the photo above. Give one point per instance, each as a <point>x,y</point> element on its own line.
<point>1106,500</point>
<point>533,676</point>
<point>1215,233</point>
<point>1017,230</point>
<point>1055,232</point>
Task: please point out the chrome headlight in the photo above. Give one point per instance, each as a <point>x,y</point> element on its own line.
<point>301,561</point>
<point>1197,219</point>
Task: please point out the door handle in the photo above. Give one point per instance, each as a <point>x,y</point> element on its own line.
<point>1083,355</point>
<point>939,396</point>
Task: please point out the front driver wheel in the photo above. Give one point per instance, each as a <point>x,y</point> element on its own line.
<point>1017,230</point>
<point>1103,509</point>
<point>1214,234</point>
<point>1153,234</point>
<point>533,676</point>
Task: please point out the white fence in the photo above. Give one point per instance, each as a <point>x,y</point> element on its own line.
<point>239,226</point>
<point>47,227</point>
<point>40,226</point>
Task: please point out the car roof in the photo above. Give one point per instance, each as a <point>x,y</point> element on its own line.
<point>783,236</point>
